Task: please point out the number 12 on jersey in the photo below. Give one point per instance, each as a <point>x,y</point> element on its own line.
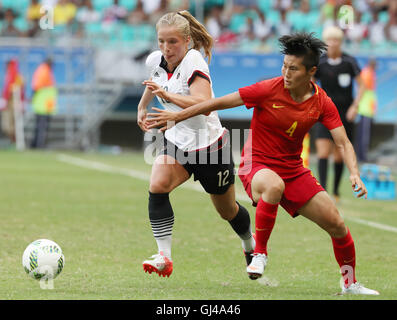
<point>223,178</point>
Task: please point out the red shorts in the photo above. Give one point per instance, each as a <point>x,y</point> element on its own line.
<point>299,189</point>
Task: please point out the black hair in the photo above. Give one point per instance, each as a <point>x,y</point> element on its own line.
<point>302,44</point>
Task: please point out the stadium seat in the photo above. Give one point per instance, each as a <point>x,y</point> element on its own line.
<point>22,24</point>
<point>18,6</point>
<point>384,16</point>
<point>128,32</point>
<point>366,17</point>
<point>297,20</point>
<point>136,33</point>
<point>93,28</point>
<point>100,5</point>
<point>315,4</point>
<point>211,3</point>
<point>304,22</point>
<point>264,5</point>
<point>128,4</point>
<point>238,21</point>
<point>273,16</point>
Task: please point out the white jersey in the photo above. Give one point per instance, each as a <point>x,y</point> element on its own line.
<point>199,131</point>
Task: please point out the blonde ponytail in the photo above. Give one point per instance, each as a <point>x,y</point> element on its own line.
<point>189,26</point>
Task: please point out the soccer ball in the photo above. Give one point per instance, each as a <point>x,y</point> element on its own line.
<point>43,258</point>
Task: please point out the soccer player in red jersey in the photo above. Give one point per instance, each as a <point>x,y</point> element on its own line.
<point>271,169</point>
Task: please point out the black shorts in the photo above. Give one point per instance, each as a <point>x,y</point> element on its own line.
<point>321,132</point>
<point>213,166</point>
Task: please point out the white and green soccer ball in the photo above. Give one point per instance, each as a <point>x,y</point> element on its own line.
<point>43,258</point>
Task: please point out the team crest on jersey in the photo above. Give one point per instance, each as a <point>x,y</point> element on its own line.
<point>313,113</point>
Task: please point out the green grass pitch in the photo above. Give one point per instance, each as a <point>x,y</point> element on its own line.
<point>101,222</point>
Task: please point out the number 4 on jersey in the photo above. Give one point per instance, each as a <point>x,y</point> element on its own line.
<point>291,129</point>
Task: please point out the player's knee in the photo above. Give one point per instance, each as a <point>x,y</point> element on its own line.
<point>279,187</point>
<point>227,212</point>
<point>337,228</point>
<point>275,190</point>
<point>160,186</point>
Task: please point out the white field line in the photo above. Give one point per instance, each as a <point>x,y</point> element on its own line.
<point>99,166</point>
<point>372,224</point>
<point>94,165</point>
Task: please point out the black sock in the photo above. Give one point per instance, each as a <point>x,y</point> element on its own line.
<point>161,214</point>
<point>322,171</point>
<point>241,223</point>
<point>338,171</point>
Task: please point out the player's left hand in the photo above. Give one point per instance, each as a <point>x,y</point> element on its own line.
<point>156,89</point>
<point>358,186</point>
<point>163,119</point>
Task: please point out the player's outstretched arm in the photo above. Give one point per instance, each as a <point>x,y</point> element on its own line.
<point>167,119</point>
<point>343,143</point>
<point>200,90</point>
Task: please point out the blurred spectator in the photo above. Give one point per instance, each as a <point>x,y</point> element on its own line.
<point>33,15</point>
<point>302,18</point>
<point>247,32</point>
<point>49,3</point>
<point>138,15</point>
<point>159,12</point>
<point>215,22</point>
<point>43,102</point>
<point>283,27</point>
<point>391,27</point>
<point>285,5</point>
<point>12,80</point>
<point>33,12</point>
<point>263,29</point>
<point>87,14</point>
<point>379,5</point>
<point>366,110</point>
<point>150,6</point>
<point>246,4</point>
<point>64,12</point>
<point>362,6</point>
<point>9,29</point>
<point>358,31</point>
<point>376,30</point>
<point>248,40</point>
<point>115,12</point>
<point>328,13</point>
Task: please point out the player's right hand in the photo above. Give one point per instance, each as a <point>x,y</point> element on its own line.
<point>358,186</point>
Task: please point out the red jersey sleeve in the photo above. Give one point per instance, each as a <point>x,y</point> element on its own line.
<point>330,115</point>
<point>254,94</point>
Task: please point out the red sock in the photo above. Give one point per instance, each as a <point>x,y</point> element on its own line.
<point>345,255</point>
<point>265,218</point>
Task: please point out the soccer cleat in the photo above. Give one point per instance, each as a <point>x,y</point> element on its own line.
<point>257,266</point>
<point>159,264</point>
<point>248,254</point>
<point>357,288</point>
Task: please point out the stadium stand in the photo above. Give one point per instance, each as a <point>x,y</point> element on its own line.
<point>99,46</point>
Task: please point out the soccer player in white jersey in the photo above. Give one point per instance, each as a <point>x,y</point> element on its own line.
<point>180,78</point>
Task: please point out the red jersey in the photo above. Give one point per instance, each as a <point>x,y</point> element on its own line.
<point>279,124</point>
